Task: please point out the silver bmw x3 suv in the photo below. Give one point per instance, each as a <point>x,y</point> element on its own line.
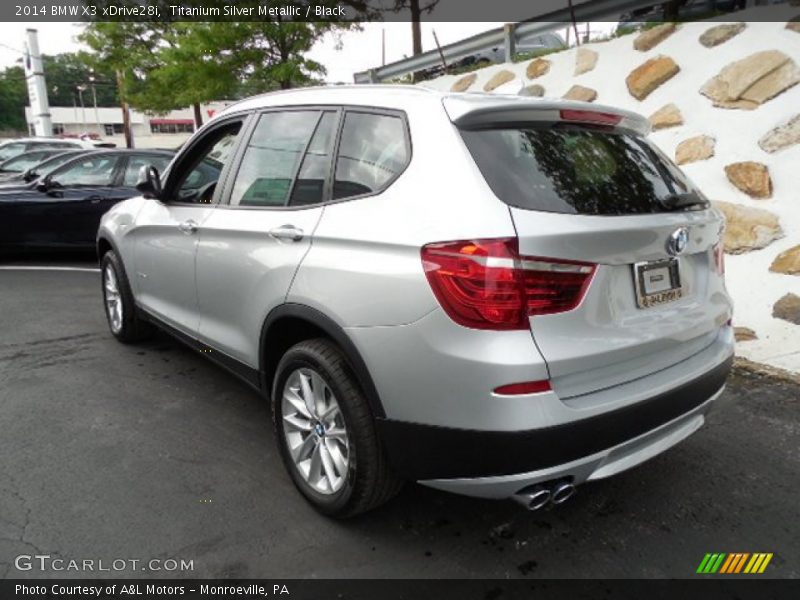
<point>496,296</point>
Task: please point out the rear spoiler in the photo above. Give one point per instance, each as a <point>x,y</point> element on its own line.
<point>478,110</point>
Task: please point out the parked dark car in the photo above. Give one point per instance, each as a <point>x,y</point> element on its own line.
<point>17,166</point>
<point>21,179</point>
<point>62,210</point>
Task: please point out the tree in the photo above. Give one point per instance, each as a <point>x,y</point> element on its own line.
<point>672,9</point>
<point>64,72</point>
<point>272,54</point>
<point>13,99</point>
<point>168,65</point>
<point>416,9</point>
<point>128,48</point>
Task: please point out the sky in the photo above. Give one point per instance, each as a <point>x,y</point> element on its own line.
<point>361,50</point>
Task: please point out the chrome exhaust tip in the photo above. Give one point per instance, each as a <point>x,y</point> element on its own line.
<point>533,498</point>
<point>562,492</point>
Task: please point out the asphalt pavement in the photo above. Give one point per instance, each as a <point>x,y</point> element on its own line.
<point>112,452</point>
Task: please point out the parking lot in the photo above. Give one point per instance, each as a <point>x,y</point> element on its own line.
<point>139,452</point>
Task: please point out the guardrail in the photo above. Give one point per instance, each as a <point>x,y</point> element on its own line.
<point>506,37</point>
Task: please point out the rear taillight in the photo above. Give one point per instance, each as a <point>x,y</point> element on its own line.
<point>719,258</point>
<point>486,284</point>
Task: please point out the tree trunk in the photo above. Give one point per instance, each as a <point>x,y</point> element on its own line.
<point>574,23</point>
<point>672,10</point>
<point>126,113</point>
<point>198,116</point>
<point>416,28</point>
<point>416,32</point>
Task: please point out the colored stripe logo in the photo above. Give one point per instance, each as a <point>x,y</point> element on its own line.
<point>734,563</point>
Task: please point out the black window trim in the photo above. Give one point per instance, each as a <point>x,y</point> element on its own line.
<point>341,110</point>
<point>246,120</point>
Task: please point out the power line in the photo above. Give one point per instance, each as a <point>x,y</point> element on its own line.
<point>23,52</point>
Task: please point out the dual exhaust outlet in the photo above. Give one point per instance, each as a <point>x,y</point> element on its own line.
<point>542,494</point>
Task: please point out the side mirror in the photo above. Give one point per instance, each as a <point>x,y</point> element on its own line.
<point>149,184</point>
<point>43,185</point>
<point>29,176</point>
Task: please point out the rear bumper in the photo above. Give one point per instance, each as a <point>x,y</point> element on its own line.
<point>490,463</point>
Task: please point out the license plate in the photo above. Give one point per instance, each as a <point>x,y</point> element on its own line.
<point>657,282</point>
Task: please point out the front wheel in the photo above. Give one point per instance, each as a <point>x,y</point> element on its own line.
<point>120,308</point>
<point>326,432</point>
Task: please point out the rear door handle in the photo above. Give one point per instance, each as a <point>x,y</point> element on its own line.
<point>287,232</point>
<point>188,227</point>
<point>94,199</point>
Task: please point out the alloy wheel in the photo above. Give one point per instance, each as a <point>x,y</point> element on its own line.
<point>315,432</point>
<point>113,299</point>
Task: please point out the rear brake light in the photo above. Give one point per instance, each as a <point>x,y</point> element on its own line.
<point>487,284</point>
<point>590,116</point>
<point>528,387</point>
<point>719,258</point>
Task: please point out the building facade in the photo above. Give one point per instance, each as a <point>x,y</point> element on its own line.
<point>149,131</point>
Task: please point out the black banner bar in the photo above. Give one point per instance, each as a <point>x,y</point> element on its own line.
<point>377,10</point>
<point>707,588</point>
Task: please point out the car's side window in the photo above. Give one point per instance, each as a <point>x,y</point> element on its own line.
<point>195,177</point>
<point>96,171</point>
<point>273,157</point>
<point>373,150</point>
<point>135,164</point>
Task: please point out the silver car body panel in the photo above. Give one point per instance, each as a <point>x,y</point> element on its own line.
<point>163,271</point>
<point>477,362</point>
<point>243,272</point>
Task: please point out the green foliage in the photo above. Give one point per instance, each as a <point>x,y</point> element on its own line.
<point>64,72</point>
<point>13,98</point>
<point>170,65</point>
<point>523,56</point>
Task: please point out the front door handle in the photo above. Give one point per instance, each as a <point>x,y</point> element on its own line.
<point>188,227</point>
<point>287,232</point>
<point>94,199</point>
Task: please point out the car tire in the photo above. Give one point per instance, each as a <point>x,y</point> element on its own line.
<point>120,308</point>
<point>356,476</point>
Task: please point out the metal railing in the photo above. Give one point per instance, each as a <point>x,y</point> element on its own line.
<point>505,37</point>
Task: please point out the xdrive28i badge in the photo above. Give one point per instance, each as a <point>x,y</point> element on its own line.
<point>677,241</point>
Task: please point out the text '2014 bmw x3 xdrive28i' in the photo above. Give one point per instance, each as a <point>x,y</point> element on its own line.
<point>496,296</point>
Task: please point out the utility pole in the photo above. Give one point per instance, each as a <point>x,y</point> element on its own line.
<point>37,89</point>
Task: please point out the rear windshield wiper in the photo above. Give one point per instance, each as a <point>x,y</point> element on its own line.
<point>683,201</point>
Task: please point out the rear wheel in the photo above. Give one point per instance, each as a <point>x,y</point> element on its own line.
<point>120,308</point>
<point>326,432</point>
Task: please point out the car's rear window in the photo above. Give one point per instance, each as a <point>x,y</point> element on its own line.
<point>575,169</point>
